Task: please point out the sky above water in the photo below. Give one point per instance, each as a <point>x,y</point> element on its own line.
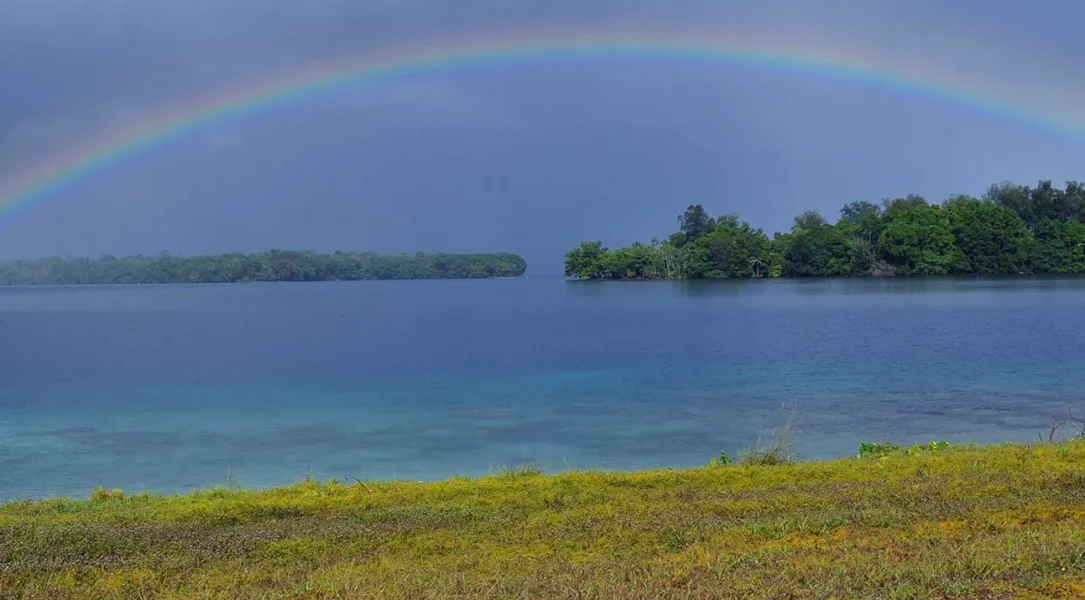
<point>530,158</point>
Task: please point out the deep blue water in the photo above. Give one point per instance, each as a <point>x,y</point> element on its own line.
<point>166,388</point>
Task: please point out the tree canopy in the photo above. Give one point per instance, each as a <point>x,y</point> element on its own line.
<point>273,265</point>
<point>1012,230</point>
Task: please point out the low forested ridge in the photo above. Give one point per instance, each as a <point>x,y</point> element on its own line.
<point>1012,230</point>
<point>274,265</point>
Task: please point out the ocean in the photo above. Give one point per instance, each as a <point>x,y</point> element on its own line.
<point>172,388</point>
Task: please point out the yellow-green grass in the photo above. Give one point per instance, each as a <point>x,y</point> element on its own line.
<point>990,522</point>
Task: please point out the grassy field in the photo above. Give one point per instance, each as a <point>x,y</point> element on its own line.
<point>989,522</point>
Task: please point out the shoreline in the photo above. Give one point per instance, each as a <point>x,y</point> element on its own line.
<point>753,457</point>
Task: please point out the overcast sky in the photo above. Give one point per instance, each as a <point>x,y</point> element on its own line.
<point>530,158</point>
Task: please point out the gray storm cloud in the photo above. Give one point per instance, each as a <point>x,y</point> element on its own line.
<point>525,159</point>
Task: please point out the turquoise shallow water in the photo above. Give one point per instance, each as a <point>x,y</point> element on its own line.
<point>174,387</point>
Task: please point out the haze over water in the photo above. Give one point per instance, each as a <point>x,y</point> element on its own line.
<point>166,388</point>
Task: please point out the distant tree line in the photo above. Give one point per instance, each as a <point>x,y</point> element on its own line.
<point>1012,230</point>
<point>274,265</point>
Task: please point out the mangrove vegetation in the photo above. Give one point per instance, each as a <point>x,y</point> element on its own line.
<point>273,265</point>
<point>1011,230</point>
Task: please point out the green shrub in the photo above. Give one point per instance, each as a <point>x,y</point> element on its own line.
<point>101,494</point>
<point>867,449</point>
<point>721,461</point>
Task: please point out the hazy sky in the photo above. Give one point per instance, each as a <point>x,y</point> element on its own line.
<point>530,158</point>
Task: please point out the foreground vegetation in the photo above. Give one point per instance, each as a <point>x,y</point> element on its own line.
<point>274,265</point>
<point>928,522</point>
<point>1012,230</point>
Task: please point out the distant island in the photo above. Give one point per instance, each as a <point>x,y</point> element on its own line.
<point>1012,230</point>
<point>273,265</point>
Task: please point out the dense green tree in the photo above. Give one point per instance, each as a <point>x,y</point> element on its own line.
<point>1041,203</point>
<point>810,219</point>
<point>732,249</point>
<point>892,206</point>
<point>777,251</point>
<point>1075,199</point>
<point>632,262</point>
<point>991,239</point>
<point>586,261</point>
<point>1058,247</point>
<point>1011,196</point>
<point>1013,229</point>
<point>823,251</point>
<point>918,239</point>
<point>675,261</point>
<point>694,223</point>
<point>1049,202</point>
<point>863,220</point>
<point>862,223</point>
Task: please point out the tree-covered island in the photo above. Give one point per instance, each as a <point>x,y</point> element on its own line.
<point>273,265</point>
<point>1012,230</point>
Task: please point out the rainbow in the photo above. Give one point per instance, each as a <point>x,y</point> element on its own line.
<point>117,146</point>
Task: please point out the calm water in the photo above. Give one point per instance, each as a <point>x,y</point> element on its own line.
<point>174,387</point>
